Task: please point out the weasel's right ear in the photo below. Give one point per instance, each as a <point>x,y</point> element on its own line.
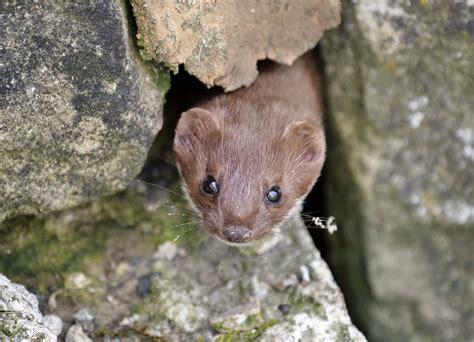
<point>196,127</point>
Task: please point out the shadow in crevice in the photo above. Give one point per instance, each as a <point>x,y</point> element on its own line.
<point>344,250</point>
<point>185,91</point>
<point>315,203</point>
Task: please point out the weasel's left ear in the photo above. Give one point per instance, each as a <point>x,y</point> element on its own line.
<point>305,143</point>
<point>196,129</point>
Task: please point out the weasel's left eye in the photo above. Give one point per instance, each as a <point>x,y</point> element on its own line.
<point>273,195</point>
<point>210,186</point>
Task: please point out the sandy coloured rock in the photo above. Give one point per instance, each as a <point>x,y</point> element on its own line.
<point>220,42</point>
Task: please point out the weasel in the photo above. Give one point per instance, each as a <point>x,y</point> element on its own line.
<point>249,158</point>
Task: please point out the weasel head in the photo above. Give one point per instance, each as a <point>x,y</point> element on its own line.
<point>243,182</point>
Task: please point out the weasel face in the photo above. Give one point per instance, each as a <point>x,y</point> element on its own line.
<point>245,183</point>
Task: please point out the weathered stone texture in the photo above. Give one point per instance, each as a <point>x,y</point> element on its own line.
<point>401,166</point>
<point>20,318</point>
<point>78,111</point>
<point>138,266</point>
<point>220,42</point>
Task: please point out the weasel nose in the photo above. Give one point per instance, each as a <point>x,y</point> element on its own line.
<point>236,234</point>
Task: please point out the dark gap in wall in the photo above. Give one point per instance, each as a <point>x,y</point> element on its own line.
<point>160,167</point>
<point>131,23</point>
<point>185,91</point>
<point>317,204</point>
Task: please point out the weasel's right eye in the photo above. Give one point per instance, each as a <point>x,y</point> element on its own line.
<point>210,186</point>
<point>273,195</point>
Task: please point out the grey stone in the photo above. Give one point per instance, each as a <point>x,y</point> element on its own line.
<point>83,315</point>
<point>77,334</point>
<point>20,318</point>
<point>53,323</point>
<point>220,42</point>
<point>78,108</point>
<point>400,166</point>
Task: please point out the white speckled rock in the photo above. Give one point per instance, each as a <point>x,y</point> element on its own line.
<point>20,318</point>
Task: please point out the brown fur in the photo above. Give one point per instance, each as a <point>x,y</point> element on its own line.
<point>250,140</point>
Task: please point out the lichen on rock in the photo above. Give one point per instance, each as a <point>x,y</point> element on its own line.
<point>20,317</point>
<point>399,173</point>
<point>79,107</point>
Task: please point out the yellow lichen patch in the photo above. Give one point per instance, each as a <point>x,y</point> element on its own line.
<point>390,64</point>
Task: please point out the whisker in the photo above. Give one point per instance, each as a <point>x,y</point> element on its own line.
<point>311,212</point>
<point>312,222</point>
<point>177,206</point>
<point>313,216</point>
<point>163,159</point>
<point>171,205</point>
<point>173,211</point>
<point>182,224</point>
<point>307,217</point>
<point>161,187</point>
<point>203,237</point>
<point>328,223</point>
<point>175,214</point>
<point>179,235</point>
<point>304,218</point>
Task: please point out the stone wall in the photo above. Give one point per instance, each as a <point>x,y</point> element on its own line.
<point>81,110</point>
<point>400,168</point>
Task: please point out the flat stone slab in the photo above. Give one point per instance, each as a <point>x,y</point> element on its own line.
<point>220,42</point>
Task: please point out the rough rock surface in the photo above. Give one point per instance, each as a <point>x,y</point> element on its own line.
<point>117,273</point>
<point>20,318</point>
<point>78,109</point>
<point>220,42</point>
<point>401,166</point>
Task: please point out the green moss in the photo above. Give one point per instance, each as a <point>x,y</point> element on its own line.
<point>161,76</point>
<point>342,332</point>
<point>15,329</point>
<point>158,72</point>
<point>300,303</point>
<point>126,333</point>
<point>39,252</point>
<point>83,289</point>
<point>245,326</point>
<point>145,55</point>
<point>249,335</point>
<point>35,251</point>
